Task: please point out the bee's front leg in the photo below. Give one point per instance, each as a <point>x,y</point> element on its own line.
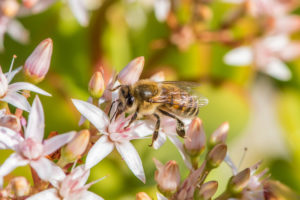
<point>133,118</point>
<point>157,125</point>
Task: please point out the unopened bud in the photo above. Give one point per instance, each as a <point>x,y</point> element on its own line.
<point>207,190</point>
<point>219,135</point>
<point>9,7</point>
<point>29,3</point>
<point>3,84</point>
<point>11,121</point>
<point>76,147</point>
<point>238,182</point>
<point>131,73</point>
<point>216,156</point>
<point>20,186</point>
<point>195,140</point>
<point>142,196</point>
<point>96,85</point>
<point>38,63</point>
<point>167,177</point>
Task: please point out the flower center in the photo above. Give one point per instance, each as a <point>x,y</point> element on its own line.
<point>31,149</point>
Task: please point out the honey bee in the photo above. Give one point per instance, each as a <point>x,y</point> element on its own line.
<point>167,98</point>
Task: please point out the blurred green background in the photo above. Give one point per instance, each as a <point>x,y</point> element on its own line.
<point>264,114</point>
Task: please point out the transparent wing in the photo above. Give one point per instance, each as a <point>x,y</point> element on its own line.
<point>180,93</point>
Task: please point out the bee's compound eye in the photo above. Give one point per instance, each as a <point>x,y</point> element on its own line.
<point>130,101</point>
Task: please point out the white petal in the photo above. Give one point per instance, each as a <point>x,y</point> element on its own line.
<point>27,86</point>
<point>94,114</point>
<point>36,121</point>
<point>158,77</point>
<point>90,196</point>
<point>100,150</point>
<point>181,150</point>
<point>50,194</point>
<point>17,31</point>
<point>160,140</point>
<point>54,143</point>
<point>11,75</point>
<point>132,158</point>
<point>79,11</point>
<point>82,118</point>
<point>142,128</point>
<point>47,170</point>
<point>160,196</point>
<point>161,9</point>
<point>9,139</point>
<point>277,69</point>
<point>234,1</point>
<point>40,6</point>
<point>12,162</point>
<point>17,100</point>
<point>241,56</point>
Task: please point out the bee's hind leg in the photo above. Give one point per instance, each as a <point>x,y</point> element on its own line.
<point>180,125</point>
<point>157,125</point>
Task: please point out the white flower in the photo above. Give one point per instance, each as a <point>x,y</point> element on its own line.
<point>10,92</point>
<point>267,54</point>
<point>32,149</point>
<point>114,136</point>
<point>71,187</point>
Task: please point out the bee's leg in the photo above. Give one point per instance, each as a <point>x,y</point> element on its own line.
<point>111,106</point>
<point>118,111</point>
<point>180,125</point>
<point>157,125</point>
<point>133,118</point>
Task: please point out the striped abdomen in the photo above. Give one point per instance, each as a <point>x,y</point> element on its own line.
<point>179,102</point>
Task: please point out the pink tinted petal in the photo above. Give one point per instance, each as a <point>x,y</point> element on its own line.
<point>17,31</point>
<point>132,159</point>
<point>286,24</point>
<point>241,56</point>
<point>90,196</point>
<point>27,86</point>
<point>277,69</point>
<point>291,51</point>
<point>132,72</point>
<point>141,128</point>
<point>12,162</point>
<point>9,138</point>
<point>36,121</point>
<point>47,170</point>
<point>50,194</point>
<point>82,118</point>
<point>158,77</point>
<point>161,9</point>
<point>40,6</point>
<point>160,140</point>
<point>54,143</point>
<point>181,150</point>
<point>79,11</point>
<point>17,100</point>
<point>160,196</point>
<point>100,150</point>
<point>11,75</point>
<point>94,114</point>
<point>81,174</point>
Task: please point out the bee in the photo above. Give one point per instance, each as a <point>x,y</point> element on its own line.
<point>167,98</point>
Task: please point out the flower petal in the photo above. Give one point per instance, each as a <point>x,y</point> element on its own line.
<point>90,196</point>
<point>161,9</point>
<point>181,150</point>
<point>160,196</point>
<point>132,72</point>
<point>12,162</point>
<point>160,140</point>
<point>11,75</point>
<point>40,6</point>
<point>100,150</point>
<point>132,158</point>
<point>277,69</point>
<point>17,100</point>
<point>26,86</point>
<point>17,31</point>
<point>79,11</point>
<point>54,143</point>
<point>9,139</point>
<point>36,121</point>
<point>158,77</point>
<point>48,171</point>
<point>241,56</point>
<point>94,114</point>
<point>82,118</point>
<point>50,194</point>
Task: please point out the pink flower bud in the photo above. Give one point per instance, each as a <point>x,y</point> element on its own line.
<point>240,181</point>
<point>96,85</point>
<point>167,177</point>
<point>207,190</point>
<point>19,186</point>
<point>3,84</point>
<point>142,196</point>
<point>76,147</point>
<point>131,73</point>
<point>219,135</point>
<point>29,3</point>
<point>216,156</point>
<point>9,7</point>
<point>195,140</point>
<point>38,63</point>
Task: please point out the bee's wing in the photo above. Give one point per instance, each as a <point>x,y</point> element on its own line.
<point>185,92</point>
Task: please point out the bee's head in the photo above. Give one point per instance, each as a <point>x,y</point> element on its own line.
<point>126,96</point>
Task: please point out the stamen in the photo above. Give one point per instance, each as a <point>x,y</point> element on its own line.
<point>243,157</point>
<point>229,162</point>
<point>12,63</point>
